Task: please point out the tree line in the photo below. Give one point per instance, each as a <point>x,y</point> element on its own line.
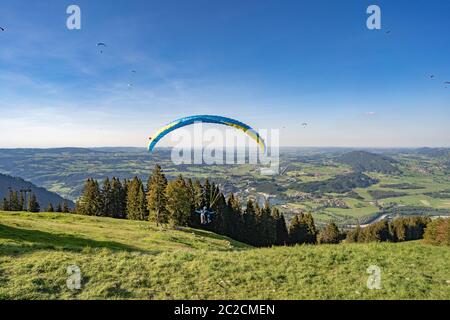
<point>399,230</point>
<point>15,201</point>
<point>176,203</point>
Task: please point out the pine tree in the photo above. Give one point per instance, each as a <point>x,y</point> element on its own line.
<point>65,207</point>
<point>22,202</point>
<point>207,193</point>
<point>33,205</point>
<point>90,202</point>
<point>123,198</point>
<point>234,215</point>
<point>354,235</point>
<point>5,205</point>
<point>282,236</point>
<point>266,226</point>
<point>302,229</point>
<point>58,208</point>
<point>14,201</point>
<point>50,207</point>
<point>178,202</point>
<point>136,200</point>
<point>118,199</point>
<point>329,235</point>
<point>249,224</point>
<point>220,224</point>
<point>191,190</point>
<point>156,196</point>
<point>107,199</point>
<point>199,201</point>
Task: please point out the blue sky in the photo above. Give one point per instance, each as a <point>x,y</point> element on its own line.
<point>271,64</point>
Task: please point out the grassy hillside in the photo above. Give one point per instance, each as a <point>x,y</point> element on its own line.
<point>135,260</point>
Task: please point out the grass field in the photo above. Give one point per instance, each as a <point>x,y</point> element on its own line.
<point>136,260</point>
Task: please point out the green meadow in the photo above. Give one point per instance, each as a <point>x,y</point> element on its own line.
<point>121,259</point>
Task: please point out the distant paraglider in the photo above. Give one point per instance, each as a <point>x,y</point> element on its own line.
<point>205,119</point>
<point>2,29</point>
<point>304,124</point>
<point>101,45</point>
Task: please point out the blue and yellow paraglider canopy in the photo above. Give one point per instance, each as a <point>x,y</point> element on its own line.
<point>206,119</point>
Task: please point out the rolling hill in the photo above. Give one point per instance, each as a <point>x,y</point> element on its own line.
<point>362,161</point>
<point>44,196</point>
<point>339,184</point>
<point>122,259</point>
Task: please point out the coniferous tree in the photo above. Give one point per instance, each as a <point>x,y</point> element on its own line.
<point>117,206</point>
<point>22,204</point>
<point>5,205</point>
<point>354,235</point>
<point>235,216</point>
<point>90,202</point>
<point>33,205</point>
<point>311,231</point>
<point>107,199</point>
<point>302,229</point>
<point>191,190</point>
<point>266,226</point>
<point>14,201</point>
<point>282,236</point>
<point>136,200</point>
<point>58,208</point>
<point>207,193</point>
<point>123,197</point>
<point>50,207</point>
<point>249,224</point>
<point>178,202</point>
<point>156,196</point>
<point>219,223</point>
<point>65,207</point>
<point>199,192</point>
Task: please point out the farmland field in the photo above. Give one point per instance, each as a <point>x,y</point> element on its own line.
<point>409,181</point>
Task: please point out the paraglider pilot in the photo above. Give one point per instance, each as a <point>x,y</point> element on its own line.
<point>205,215</point>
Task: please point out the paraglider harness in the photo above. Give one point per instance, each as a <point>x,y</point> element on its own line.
<point>205,216</point>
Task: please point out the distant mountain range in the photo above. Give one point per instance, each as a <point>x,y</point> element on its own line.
<point>44,196</point>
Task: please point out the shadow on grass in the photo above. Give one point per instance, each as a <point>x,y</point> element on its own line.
<point>40,240</point>
<point>212,235</point>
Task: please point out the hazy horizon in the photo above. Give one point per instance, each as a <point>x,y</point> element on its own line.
<point>281,147</point>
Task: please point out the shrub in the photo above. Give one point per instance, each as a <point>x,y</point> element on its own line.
<point>438,232</point>
<point>330,234</point>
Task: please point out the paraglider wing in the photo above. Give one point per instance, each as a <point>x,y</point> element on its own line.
<point>2,29</point>
<point>101,44</point>
<point>206,119</point>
